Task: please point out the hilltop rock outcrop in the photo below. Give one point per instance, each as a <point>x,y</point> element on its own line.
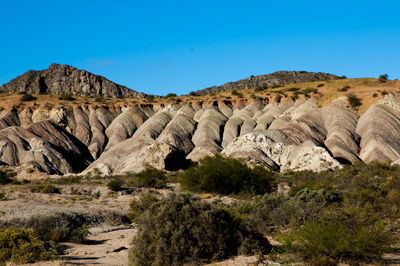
<point>269,80</point>
<point>63,79</point>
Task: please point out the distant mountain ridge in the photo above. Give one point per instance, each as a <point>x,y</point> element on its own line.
<point>64,79</point>
<point>269,80</point>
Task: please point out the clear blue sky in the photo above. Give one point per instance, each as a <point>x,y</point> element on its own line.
<point>178,46</point>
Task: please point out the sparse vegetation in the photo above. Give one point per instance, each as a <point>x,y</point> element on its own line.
<point>383,93</point>
<point>320,85</point>
<point>236,93</point>
<point>66,97</point>
<point>149,98</point>
<point>375,95</point>
<point>344,89</point>
<point>293,89</point>
<point>45,188</point>
<point>261,88</point>
<point>57,227</point>
<point>27,97</point>
<point>347,215</point>
<point>99,99</point>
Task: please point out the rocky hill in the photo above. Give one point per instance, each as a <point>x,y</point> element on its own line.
<point>269,80</point>
<point>311,126</point>
<point>63,79</point>
<point>308,125</point>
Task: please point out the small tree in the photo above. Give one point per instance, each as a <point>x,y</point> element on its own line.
<point>28,97</point>
<point>354,101</point>
<point>383,78</point>
<point>171,95</point>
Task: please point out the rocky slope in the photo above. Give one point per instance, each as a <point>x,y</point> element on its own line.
<point>269,80</point>
<point>120,138</point>
<point>308,125</point>
<point>63,79</point>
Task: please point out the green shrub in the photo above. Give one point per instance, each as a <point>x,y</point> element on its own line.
<point>99,99</point>
<point>276,86</point>
<point>320,85</point>
<point>310,90</point>
<point>150,98</point>
<point>293,89</point>
<point>115,184</point>
<point>181,229</point>
<point>2,195</point>
<point>344,89</point>
<point>151,177</point>
<point>342,77</point>
<point>137,207</point>
<point>66,180</point>
<point>45,188</point>
<point>193,93</point>
<point>66,97</point>
<point>375,95</point>
<point>383,93</point>
<point>236,93</point>
<point>4,178</point>
<point>226,175</point>
<point>353,100</point>
<point>171,95</point>
<point>24,246</point>
<point>27,97</point>
<point>261,88</point>
<point>61,226</point>
<point>327,241</point>
<point>383,78</point>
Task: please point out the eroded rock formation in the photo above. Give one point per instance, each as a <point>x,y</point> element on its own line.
<point>127,138</point>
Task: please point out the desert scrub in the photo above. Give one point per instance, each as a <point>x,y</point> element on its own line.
<point>115,184</point>
<point>151,177</point>
<point>45,188</point>
<point>57,227</point>
<point>27,97</point>
<point>236,93</point>
<point>66,97</point>
<point>182,229</point>
<point>137,207</point>
<point>344,89</point>
<point>24,246</point>
<point>226,176</point>
<point>329,240</point>
<point>354,101</point>
<point>383,78</point>
<point>5,178</point>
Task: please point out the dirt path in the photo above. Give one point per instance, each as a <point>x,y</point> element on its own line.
<point>106,246</point>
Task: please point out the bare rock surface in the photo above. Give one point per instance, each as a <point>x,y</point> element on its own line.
<point>379,128</point>
<point>44,146</point>
<point>207,138</point>
<point>59,79</point>
<point>128,138</point>
<point>276,78</point>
